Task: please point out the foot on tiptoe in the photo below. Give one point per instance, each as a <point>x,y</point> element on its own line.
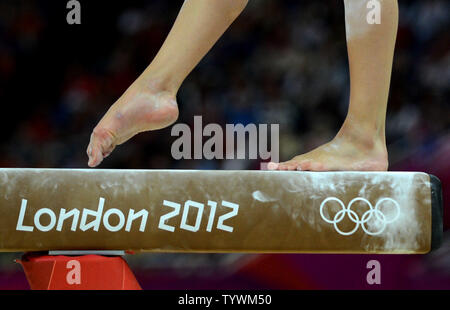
<point>141,108</point>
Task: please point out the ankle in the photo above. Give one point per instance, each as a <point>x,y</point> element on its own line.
<point>158,84</point>
<point>366,135</point>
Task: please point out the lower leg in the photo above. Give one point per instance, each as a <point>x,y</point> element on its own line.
<point>150,102</point>
<point>360,144</point>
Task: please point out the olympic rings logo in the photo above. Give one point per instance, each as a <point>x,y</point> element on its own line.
<point>366,217</point>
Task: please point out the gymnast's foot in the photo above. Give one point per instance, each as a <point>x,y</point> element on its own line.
<point>348,151</point>
<point>143,107</point>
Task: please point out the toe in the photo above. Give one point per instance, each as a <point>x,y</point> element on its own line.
<point>272,166</point>
<point>95,152</point>
<point>304,165</point>
<point>292,166</point>
<point>90,151</point>
<point>96,157</point>
<point>311,165</point>
<point>282,166</point>
<point>100,146</point>
<point>286,166</point>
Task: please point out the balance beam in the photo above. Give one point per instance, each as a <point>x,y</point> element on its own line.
<point>219,211</point>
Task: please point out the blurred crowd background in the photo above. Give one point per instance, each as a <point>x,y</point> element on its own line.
<point>282,61</point>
